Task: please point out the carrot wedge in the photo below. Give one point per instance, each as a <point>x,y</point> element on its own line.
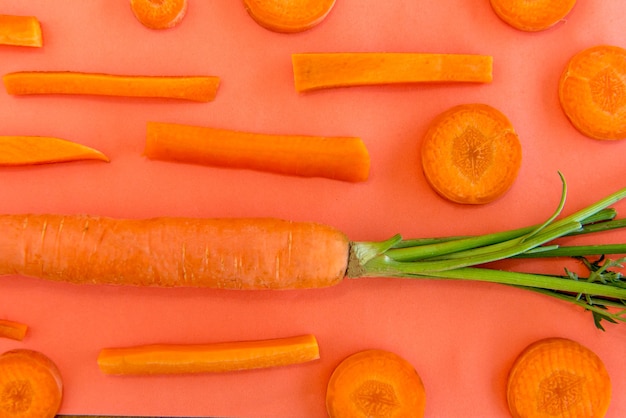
<point>194,88</point>
<point>339,158</point>
<point>289,16</point>
<point>20,31</point>
<point>208,358</point>
<point>30,150</point>
<point>159,14</point>
<point>325,70</point>
<point>12,330</point>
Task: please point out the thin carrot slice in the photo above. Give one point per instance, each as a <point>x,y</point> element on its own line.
<point>471,154</point>
<point>30,385</point>
<point>375,383</point>
<point>326,70</point>
<point>340,158</point>
<point>194,88</point>
<point>12,330</point>
<point>557,377</point>
<point>208,358</point>
<point>29,150</point>
<point>592,92</point>
<point>532,16</point>
<point>20,31</point>
<point>159,14</point>
<point>289,16</point>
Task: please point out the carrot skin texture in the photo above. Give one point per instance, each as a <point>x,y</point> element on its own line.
<point>12,330</point>
<point>29,150</point>
<point>159,14</point>
<point>289,16</point>
<point>339,158</point>
<point>20,31</point>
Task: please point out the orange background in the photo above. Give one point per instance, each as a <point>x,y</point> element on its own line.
<point>461,337</point>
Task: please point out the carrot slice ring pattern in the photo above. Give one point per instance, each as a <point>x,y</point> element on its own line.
<point>532,16</point>
<point>289,16</point>
<point>592,92</point>
<point>159,14</point>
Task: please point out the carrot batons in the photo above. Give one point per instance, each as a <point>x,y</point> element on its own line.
<point>592,91</point>
<point>20,31</point>
<point>194,88</point>
<point>159,14</point>
<point>12,330</point>
<point>325,70</point>
<point>29,150</point>
<point>471,154</point>
<point>340,158</point>
<point>30,385</point>
<point>375,383</point>
<point>557,377</point>
<point>208,358</point>
<point>288,16</point>
<point>532,16</point>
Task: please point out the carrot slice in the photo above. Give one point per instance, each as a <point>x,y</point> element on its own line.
<point>30,385</point>
<point>208,358</point>
<point>326,70</point>
<point>289,16</point>
<point>29,150</point>
<point>592,92</point>
<point>20,31</point>
<point>340,158</point>
<point>471,154</point>
<point>159,14</point>
<point>532,16</point>
<point>194,88</point>
<point>12,330</point>
<point>375,383</point>
<point>557,377</point>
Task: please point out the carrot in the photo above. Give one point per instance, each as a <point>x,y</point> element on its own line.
<point>289,16</point>
<point>557,377</point>
<point>30,385</point>
<point>27,150</point>
<point>194,88</point>
<point>592,92</point>
<point>13,330</point>
<point>471,154</point>
<point>340,158</point>
<point>326,70</point>
<point>532,16</point>
<point>20,31</point>
<point>375,383</point>
<point>159,14</point>
<point>208,358</point>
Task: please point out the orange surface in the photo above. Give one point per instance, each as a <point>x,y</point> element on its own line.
<point>461,337</point>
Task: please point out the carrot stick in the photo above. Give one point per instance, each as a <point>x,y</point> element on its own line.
<point>208,358</point>
<point>532,16</point>
<point>28,150</point>
<point>159,14</point>
<point>194,88</point>
<point>471,154</point>
<point>12,330</point>
<point>557,377</point>
<point>326,70</point>
<point>592,92</point>
<point>289,16</point>
<point>340,158</point>
<point>375,383</point>
<point>20,31</point>
<point>30,385</point>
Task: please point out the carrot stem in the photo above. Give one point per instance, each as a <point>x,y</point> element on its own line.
<point>28,150</point>
<point>12,330</point>
<point>20,31</point>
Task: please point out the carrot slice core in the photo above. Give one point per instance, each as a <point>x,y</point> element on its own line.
<point>288,16</point>
<point>159,14</point>
<point>29,150</point>
<point>12,330</point>
<point>20,31</point>
<point>532,16</point>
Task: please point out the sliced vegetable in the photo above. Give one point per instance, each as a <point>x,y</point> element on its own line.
<point>471,154</point>
<point>375,383</point>
<point>326,70</point>
<point>28,150</point>
<point>592,91</point>
<point>20,31</point>
<point>208,358</point>
<point>12,330</point>
<point>532,16</point>
<point>159,14</point>
<point>340,158</point>
<point>558,377</point>
<point>288,16</point>
<point>194,88</point>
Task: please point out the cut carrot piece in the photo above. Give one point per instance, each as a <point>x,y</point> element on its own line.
<point>532,16</point>
<point>30,385</point>
<point>12,330</point>
<point>208,358</point>
<point>340,158</point>
<point>557,377</point>
<point>159,14</point>
<point>29,150</point>
<point>195,88</point>
<point>20,31</point>
<point>375,383</point>
<point>289,16</point>
<point>592,91</point>
<point>325,70</point>
<point>471,154</point>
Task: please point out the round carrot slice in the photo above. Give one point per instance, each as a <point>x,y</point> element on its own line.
<point>30,385</point>
<point>532,16</point>
<point>592,91</point>
<point>375,384</point>
<point>557,377</point>
<point>288,15</point>
<point>471,154</point>
<point>159,14</point>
